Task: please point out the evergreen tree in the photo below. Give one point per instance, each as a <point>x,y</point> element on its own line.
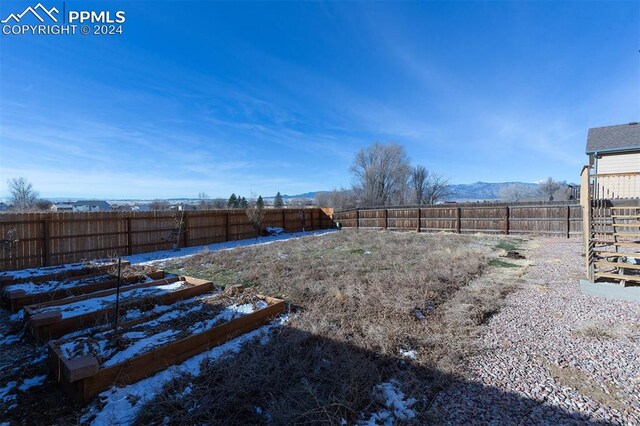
<point>260,202</point>
<point>278,202</point>
<point>243,204</point>
<point>233,202</point>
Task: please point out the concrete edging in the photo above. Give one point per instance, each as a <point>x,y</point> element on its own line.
<point>610,290</point>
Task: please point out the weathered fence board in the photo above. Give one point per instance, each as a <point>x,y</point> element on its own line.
<point>55,238</point>
<point>545,219</point>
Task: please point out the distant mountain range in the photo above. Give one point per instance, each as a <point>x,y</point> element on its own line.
<point>478,191</point>
<point>481,191</point>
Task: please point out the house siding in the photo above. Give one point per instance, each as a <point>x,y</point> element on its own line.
<point>619,163</point>
<point>620,186</point>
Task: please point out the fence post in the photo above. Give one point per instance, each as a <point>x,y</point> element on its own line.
<point>506,210</point>
<point>129,248</point>
<point>186,229</point>
<point>418,219</point>
<point>386,219</point>
<point>227,226</point>
<point>458,220</point>
<point>45,242</point>
<point>357,218</point>
<point>283,219</point>
<point>568,221</point>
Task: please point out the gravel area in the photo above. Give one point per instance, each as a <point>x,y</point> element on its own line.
<point>551,355</point>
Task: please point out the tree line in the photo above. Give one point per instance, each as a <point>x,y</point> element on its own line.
<point>383,176</point>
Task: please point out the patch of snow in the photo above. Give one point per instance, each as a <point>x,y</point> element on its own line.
<point>228,313</point>
<point>397,407</point>
<point>134,335</point>
<point>141,346</point>
<point>262,413</point>
<point>186,391</point>
<point>46,270</point>
<point>153,258</point>
<point>8,339</point>
<point>82,307</point>
<point>32,382</point>
<point>41,358</point>
<point>18,316</point>
<point>5,395</point>
<point>120,405</point>
<point>45,286</point>
<point>139,339</point>
<point>408,353</point>
<point>274,230</point>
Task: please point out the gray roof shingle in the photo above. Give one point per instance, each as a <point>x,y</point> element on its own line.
<point>622,137</point>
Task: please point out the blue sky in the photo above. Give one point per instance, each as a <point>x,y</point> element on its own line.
<point>238,97</point>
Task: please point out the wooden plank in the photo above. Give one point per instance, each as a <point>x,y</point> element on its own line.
<point>617,277</point>
<point>621,265</point>
<point>45,243</point>
<point>616,254</point>
<point>129,243</point>
<point>618,244</point>
<point>618,234</point>
<point>132,370</point>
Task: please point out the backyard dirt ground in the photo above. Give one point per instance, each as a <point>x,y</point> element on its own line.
<point>387,328</point>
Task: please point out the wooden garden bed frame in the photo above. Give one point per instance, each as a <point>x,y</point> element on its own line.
<point>17,299</point>
<point>83,379</point>
<point>48,325</point>
<point>6,280</point>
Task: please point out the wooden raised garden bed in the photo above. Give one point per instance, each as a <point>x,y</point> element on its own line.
<point>59,317</point>
<point>62,272</point>
<point>22,294</point>
<point>85,368</point>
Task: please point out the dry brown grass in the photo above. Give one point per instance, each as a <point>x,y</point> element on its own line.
<point>357,296</point>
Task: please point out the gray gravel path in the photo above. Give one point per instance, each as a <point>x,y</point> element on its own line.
<point>552,355</point>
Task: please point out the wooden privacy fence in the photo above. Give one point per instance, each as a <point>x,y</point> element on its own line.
<point>562,220</point>
<point>43,239</point>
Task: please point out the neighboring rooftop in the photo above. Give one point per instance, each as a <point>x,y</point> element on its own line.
<point>622,137</point>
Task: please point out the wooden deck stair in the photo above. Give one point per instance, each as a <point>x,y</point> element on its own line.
<point>612,229</point>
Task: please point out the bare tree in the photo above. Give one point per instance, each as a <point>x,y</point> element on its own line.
<point>42,204</point>
<point>549,187</point>
<point>322,199</point>
<point>255,213</point>
<point>219,203</point>
<point>338,199</point>
<point>159,205</point>
<point>381,173</point>
<point>23,195</point>
<point>205,202</point>
<point>437,189</point>
<point>516,192</point>
<point>418,182</point>
<point>299,202</point>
